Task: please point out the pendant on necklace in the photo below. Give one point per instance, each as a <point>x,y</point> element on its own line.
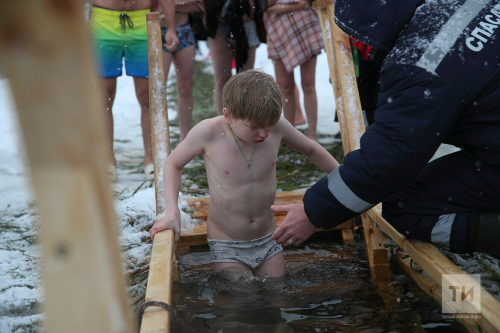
<point>248,164</point>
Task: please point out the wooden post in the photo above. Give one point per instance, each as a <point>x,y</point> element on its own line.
<point>161,273</point>
<point>345,89</point>
<point>45,48</point>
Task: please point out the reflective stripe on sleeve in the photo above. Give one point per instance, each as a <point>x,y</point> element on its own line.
<point>449,34</point>
<point>441,232</point>
<point>344,194</point>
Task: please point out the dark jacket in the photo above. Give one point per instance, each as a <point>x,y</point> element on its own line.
<point>440,82</point>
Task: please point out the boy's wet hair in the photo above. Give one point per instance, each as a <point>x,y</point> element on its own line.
<point>253,96</point>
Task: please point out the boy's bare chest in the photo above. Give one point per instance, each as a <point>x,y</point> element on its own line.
<point>242,164</point>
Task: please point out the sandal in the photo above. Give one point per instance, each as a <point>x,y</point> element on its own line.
<point>149,172</point>
<point>113,174</point>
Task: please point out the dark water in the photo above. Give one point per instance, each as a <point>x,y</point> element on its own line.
<point>328,288</point>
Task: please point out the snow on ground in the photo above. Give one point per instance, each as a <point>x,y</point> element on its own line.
<point>20,283</point>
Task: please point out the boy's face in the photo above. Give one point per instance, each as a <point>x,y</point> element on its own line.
<point>248,132</point>
<point>245,130</point>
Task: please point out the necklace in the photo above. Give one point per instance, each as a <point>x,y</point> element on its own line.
<point>248,161</point>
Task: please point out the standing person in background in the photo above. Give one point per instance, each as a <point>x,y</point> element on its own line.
<point>234,28</point>
<point>119,31</point>
<point>183,58</point>
<point>294,39</point>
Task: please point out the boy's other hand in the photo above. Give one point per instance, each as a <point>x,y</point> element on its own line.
<point>296,227</point>
<point>167,222</point>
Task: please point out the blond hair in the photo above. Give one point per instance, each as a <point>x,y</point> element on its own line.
<point>253,96</point>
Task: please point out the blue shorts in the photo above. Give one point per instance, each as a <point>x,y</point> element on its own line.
<point>117,35</point>
<point>185,35</point>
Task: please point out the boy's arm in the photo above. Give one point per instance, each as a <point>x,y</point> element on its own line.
<point>296,227</point>
<point>310,148</point>
<point>192,145</point>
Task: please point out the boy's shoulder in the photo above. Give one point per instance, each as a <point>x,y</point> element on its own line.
<point>208,128</point>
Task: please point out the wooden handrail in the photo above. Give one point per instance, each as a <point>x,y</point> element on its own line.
<point>161,269</point>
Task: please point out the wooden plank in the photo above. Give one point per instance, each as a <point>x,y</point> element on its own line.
<point>331,36</point>
<point>440,268</point>
<point>163,259</point>
<point>431,288</point>
<point>374,236</point>
<point>199,234</point>
<point>156,319</point>
<point>46,54</point>
<point>322,3</point>
<point>202,205</point>
<point>345,90</point>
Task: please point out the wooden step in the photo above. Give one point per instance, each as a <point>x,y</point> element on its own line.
<point>199,234</point>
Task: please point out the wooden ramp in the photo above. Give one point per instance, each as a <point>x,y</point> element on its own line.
<point>199,234</point>
<point>439,269</point>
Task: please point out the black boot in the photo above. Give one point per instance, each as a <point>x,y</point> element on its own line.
<point>484,233</point>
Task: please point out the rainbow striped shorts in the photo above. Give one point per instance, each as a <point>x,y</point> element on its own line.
<point>119,35</point>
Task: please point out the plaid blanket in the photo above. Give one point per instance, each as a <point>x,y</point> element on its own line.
<point>293,37</point>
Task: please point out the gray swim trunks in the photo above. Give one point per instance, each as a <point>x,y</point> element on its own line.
<point>251,253</point>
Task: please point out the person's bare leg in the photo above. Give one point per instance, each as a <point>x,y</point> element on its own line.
<point>221,62</point>
<point>251,58</point>
<point>142,93</point>
<point>308,80</point>
<point>299,117</point>
<point>184,66</point>
<point>109,87</point>
<point>231,271</point>
<point>167,61</point>
<point>286,82</point>
<point>273,267</point>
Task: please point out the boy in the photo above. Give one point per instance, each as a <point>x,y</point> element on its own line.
<point>240,150</point>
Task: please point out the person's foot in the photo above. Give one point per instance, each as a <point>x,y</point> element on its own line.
<point>113,173</point>
<point>149,172</point>
<point>299,118</point>
<point>312,135</point>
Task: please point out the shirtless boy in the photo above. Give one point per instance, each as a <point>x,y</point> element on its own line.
<point>240,150</point>
<point>119,30</point>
